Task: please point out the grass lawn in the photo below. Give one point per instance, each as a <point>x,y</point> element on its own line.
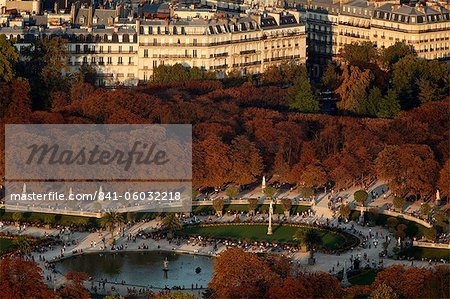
<point>364,278</point>
<point>428,253</point>
<point>5,244</point>
<point>282,234</point>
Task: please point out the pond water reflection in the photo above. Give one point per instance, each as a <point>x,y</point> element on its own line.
<point>143,269</point>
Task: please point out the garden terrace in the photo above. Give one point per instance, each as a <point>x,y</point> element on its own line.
<point>332,240</point>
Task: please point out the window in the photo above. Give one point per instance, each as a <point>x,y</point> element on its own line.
<point>145,53</point>
<point>119,60</point>
<point>109,60</point>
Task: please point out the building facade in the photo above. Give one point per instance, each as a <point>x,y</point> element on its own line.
<point>126,50</point>
<point>332,24</point>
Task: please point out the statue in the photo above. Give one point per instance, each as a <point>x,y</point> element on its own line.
<point>269,229</point>
<point>345,282</point>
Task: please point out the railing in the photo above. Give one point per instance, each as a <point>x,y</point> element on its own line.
<point>398,215</point>
<point>431,245</point>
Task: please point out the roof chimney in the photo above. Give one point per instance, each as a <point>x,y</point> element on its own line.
<point>90,16</point>
<point>73,12</point>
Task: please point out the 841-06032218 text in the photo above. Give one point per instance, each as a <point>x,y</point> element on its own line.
<point>160,195</point>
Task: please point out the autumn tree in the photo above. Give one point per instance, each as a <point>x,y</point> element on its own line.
<point>232,191</point>
<point>314,176</point>
<point>246,162</point>
<point>291,288</point>
<point>399,203</point>
<point>354,90</point>
<point>21,279</point>
<point>240,274</point>
<point>8,59</point>
<point>444,179</point>
<point>15,101</point>
<point>74,287</point>
<point>408,168</point>
<point>324,286</point>
<point>217,163</point>
<point>383,292</point>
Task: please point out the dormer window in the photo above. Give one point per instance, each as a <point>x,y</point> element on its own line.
<point>95,20</point>
<point>82,20</point>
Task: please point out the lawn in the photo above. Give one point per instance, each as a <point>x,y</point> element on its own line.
<point>428,253</point>
<point>5,244</point>
<point>282,234</point>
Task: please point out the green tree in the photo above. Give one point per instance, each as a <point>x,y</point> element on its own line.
<point>383,292</point>
<point>428,91</point>
<point>171,223</point>
<point>269,192</point>
<point>330,77</point>
<point>416,80</point>
<point>232,192</point>
<point>430,234</point>
<point>392,54</point>
<point>22,244</point>
<point>345,211</point>
<point>8,59</point>
<point>425,209</point>
<point>17,216</point>
<point>253,204</point>
<point>286,203</point>
<point>360,197</point>
<point>399,203</point>
<point>218,205</point>
<point>373,102</point>
<point>312,240</point>
<point>111,220</point>
<point>45,61</point>
<point>358,54</point>
<point>389,106</point>
<point>304,100</point>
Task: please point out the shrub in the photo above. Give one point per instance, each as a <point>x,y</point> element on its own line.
<point>361,197</point>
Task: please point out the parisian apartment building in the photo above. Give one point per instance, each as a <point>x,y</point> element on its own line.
<point>125,42</point>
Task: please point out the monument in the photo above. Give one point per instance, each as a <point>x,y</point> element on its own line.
<point>345,283</point>
<point>269,229</point>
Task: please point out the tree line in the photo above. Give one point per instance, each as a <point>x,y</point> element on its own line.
<point>239,274</point>
<point>247,129</point>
